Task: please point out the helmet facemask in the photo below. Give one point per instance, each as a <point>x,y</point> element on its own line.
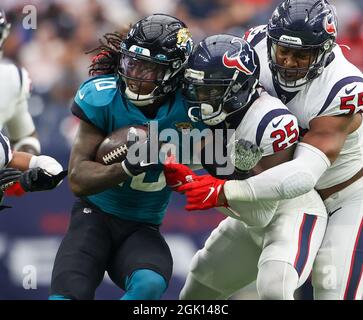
<point>146,79</point>
<point>297,77</point>
<point>212,101</point>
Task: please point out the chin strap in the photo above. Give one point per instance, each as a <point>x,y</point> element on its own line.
<point>138,99</point>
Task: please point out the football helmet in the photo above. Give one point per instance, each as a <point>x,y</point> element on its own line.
<point>153,56</point>
<point>221,78</point>
<point>309,25</point>
<point>4,29</point>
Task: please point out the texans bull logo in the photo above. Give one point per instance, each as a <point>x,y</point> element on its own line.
<point>245,53</point>
<point>330,27</point>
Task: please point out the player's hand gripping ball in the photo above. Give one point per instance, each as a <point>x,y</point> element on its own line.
<point>116,145</point>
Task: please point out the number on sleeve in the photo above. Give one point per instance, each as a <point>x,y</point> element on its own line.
<point>289,132</point>
<point>348,103</point>
<point>105,84</point>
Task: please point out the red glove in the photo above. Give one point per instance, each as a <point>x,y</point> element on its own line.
<point>177,174</point>
<point>15,190</point>
<point>203,193</point>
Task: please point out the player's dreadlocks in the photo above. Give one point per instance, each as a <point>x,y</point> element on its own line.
<point>107,58</point>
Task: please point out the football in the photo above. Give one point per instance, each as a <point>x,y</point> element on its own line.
<point>115,146</point>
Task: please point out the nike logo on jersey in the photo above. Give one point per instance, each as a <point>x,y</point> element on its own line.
<point>275,125</point>
<point>80,95</point>
<point>350,91</point>
<point>332,212</point>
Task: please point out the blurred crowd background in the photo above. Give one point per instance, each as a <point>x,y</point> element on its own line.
<point>54,55</point>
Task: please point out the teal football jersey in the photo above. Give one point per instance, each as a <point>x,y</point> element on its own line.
<point>144,197</point>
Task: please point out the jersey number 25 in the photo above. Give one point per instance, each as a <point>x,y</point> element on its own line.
<point>285,137</point>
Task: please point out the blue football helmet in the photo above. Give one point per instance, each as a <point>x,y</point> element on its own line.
<point>4,29</point>
<point>220,79</point>
<point>309,25</point>
<point>154,52</point>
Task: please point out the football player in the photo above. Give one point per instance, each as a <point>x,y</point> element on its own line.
<point>303,66</point>
<point>274,242</point>
<point>15,90</point>
<point>115,222</point>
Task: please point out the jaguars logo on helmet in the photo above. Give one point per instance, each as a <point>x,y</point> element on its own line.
<point>185,41</point>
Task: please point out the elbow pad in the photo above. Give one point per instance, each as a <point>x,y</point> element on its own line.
<point>285,181</point>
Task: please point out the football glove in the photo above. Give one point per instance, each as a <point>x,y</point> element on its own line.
<point>203,193</point>
<point>47,163</point>
<point>143,163</point>
<point>38,179</point>
<point>8,176</point>
<point>15,190</point>
<point>176,174</point>
<point>245,155</point>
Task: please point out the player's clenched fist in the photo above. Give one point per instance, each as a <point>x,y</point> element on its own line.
<point>177,174</point>
<point>204,192</point>
<point>38,179</point>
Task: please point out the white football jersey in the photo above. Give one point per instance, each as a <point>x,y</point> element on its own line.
<point>14,91</point>
<point>337,91</point>
<point>5,151</point>
<point>270,125</point>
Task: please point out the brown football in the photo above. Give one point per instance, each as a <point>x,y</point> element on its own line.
<point>114,148</point>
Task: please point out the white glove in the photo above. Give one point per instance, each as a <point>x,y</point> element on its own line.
<point>47,163</point>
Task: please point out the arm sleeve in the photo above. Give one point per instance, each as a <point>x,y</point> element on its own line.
<point>21,124</point>
<point>87,108</point>
<point>285,181</point>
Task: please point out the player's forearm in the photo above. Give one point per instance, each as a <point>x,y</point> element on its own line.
<point>88,177</point>
<point>20,160</point>
<point>288,180</point>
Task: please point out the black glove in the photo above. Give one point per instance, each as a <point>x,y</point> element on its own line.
<point>38,179</point>
<point>8,176</point>
<point>143,163</point>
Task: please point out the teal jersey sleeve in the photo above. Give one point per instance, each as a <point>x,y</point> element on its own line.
<point>93,99</point>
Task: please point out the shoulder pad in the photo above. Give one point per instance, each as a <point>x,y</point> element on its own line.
<point>98,91</point>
